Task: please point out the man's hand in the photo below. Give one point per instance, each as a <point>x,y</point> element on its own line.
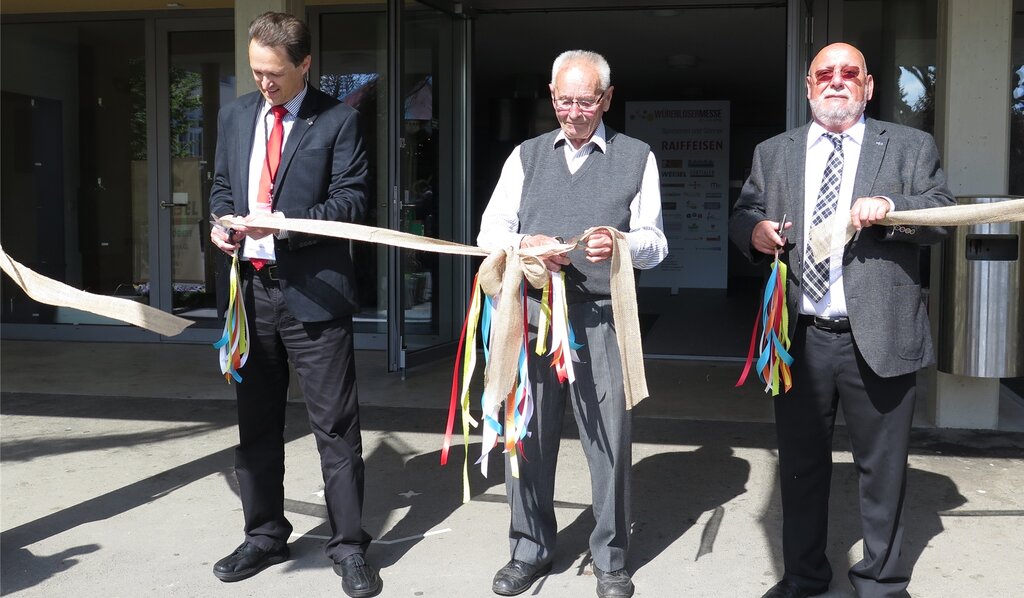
<point>257,233</point>
<point>599,246</point>
<point>868,210</point>
<point>766,238</point>
<point>225,239</point>
<point>554,262</point>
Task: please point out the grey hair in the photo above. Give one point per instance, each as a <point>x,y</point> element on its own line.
<point>594,59</point>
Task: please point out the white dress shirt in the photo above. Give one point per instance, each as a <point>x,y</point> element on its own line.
<point>264,248</point>
<point>499,226</point>
<point>819,148</point>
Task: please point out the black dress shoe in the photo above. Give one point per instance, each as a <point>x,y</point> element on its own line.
<point>248,560</point>
<point>516,577</point>
<point>613,584</point>
<point>786,589</point>
<point>358,579</point>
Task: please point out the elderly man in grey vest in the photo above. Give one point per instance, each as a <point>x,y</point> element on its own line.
<point>557,185</point>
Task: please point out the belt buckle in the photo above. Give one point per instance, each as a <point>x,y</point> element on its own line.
<point>271,270</point>
<point>831,324</point>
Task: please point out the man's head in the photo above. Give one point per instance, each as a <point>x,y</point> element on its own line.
<point>279,55</point>
<point>838,87</point>
<point>581,92</point>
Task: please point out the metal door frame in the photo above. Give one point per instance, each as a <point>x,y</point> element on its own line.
<point>398,357</point>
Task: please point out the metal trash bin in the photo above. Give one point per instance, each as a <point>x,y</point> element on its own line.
<point>981,325</point>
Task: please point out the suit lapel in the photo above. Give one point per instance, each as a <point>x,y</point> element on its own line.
<point>245,142</point>
<point>305,118</point>
<point>795,160</point>
<point>871,153</point>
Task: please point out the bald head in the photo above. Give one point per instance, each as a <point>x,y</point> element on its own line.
<point>838,51</point>
<point>838,86</point>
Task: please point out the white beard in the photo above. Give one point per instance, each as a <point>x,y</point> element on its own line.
<point>836,116</point>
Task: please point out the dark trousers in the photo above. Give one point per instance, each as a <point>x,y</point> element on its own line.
<point>829,369</point>
<point>599,404</point>
<point>322,355</point>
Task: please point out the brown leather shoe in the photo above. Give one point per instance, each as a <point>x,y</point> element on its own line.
<point>248,560</point>
<point>516,577</point>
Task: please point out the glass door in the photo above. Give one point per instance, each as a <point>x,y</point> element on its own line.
<point>74,137</point>
<point>195,77</point>
<point>352,66</point>
<point>427,289</point>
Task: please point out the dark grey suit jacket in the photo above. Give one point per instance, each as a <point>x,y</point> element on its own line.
<point>881,267</point>
<point>322,176</point>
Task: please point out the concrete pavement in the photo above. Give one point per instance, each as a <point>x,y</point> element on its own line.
<point>117,480</point>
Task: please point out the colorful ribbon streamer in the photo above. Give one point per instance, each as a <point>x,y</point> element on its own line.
<point>774,360</point>
<point>466,355</point>
<point>507,418</point>
<point>233,345</point>
<point>563,340</point>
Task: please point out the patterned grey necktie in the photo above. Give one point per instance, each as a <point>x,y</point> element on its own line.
<point>819,243</point>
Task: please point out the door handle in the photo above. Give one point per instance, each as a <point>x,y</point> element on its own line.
<point>171,204</point>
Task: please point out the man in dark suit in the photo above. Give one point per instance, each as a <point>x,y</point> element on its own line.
<point>293,152</point>
<point>862,329</point>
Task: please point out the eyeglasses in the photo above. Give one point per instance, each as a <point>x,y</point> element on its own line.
<point>584,104</point>
<point>848,73</point>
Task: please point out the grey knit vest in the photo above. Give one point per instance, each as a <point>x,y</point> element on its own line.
<point>560,204</point>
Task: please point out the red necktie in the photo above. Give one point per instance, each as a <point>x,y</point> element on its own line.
<point>265,193</point>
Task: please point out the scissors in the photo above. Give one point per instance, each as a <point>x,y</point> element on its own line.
<point>782,226</point>
<point>572,242</point>
<point>215,223</point>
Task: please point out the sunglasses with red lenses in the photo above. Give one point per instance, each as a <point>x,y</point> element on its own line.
<point>848,73</point>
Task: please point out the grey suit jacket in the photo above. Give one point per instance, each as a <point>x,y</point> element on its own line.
<point>881,274</point>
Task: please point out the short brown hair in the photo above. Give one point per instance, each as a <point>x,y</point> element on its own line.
<point>282,30</point>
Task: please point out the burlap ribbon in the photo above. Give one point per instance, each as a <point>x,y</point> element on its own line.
<point>51,292</point>
<point>1011,210</point>
<point>501,276</point>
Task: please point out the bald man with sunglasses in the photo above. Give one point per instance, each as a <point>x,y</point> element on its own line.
<point>862,328</point>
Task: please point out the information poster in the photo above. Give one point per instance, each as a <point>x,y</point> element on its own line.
<point>691,143</point>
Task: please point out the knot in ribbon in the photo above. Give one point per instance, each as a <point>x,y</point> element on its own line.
<point>501,276</point>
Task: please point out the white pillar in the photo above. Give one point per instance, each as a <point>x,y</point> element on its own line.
<point>245,12</point>
<point>972,127</point>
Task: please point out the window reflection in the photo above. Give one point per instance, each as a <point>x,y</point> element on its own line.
<point>353,66</point>
<point>898,42</point>
<point>915,106</point>
<point>1017,102</point>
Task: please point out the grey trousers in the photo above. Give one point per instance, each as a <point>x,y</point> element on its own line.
<point>605,427</point>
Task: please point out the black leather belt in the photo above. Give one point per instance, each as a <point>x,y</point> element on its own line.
<point>836,324</point>
<point>267,272</point>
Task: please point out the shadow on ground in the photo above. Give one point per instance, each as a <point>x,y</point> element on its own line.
<point>671,489</point>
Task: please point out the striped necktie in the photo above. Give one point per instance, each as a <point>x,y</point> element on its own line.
<point>819,242</point>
